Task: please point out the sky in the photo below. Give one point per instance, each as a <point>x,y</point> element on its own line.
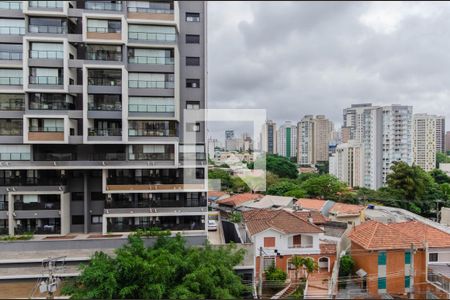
<point>298,58</point>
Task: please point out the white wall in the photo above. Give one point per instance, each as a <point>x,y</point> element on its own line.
<point>282,243</point>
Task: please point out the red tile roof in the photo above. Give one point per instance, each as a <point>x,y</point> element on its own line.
<point>281,220</point>
<point>317,217</point>
<point>346,209</point>
<point>436,238</point>
<point>312,204</point>
<point>216,194</point>
<point>239,199</point>
<point>373,235</point>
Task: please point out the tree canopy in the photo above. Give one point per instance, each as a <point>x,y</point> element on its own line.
<point>281,166</point>
<point>168,270</point>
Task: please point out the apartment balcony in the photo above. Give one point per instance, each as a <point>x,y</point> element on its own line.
<point>155,203</point>
<point>52,106</point>
<point>38,226</point>
<point>150,184</point>
<point>172,223</point>
<point>47,81</point>
<point>46,54</point>
<point>104,134</point>
<point>136,36</point>
<point>149,13</point>
<point>105,83</point>
<point>143,84</point>
<point>4,81</point>
<point>41,205</point>
<point>11,55</point>
<point>15,156</point>
<point>160,110</point>
<point>151,60</point>
<point>101,81</point>
<point>12,30</point>
<point>54,156</point>
<point>46,5</point>
<point>103,33</point>
<point>11,5</point>
<point>104,55</point>
<point>136,132</point>
<point>32,181</point>
<point>103,5</point>
<point>12,105</point>
<point>119,156</point>
<point>47,29</point>
<point>46,134</point>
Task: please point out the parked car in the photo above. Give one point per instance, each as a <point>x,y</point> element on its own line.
<point>212,225</point>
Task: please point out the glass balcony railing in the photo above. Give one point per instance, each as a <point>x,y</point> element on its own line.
<point>45,229</point>
<point>46,29</point>
<point>12,105</point>
<point>108,156</point>
<point>52,105</point>
<point>44,205</point>
<point>46,80</point>
<point>47,54</point>
<point>11,81</point>
<point>46,129</point>
<point>11,5</point>
<point>151,108</point>
<point>155,203</point>
<point>12,30</point>
<point>152,132</point>
<point>165,223</point>
<point>11,131</point>
<point>46,4</point>
<point>152,36</point>
<point>150,10</point>
<point>151,60</point>
<point>27,181</point>
<point>102,29</point>
<point>142,84</point>
<point>104,81</point>
<point>105,132</point>
<point>151,156</point>
<point>100,55</point>
<point>103,5</point>
<point>105,106</point>
<point>10,55</point>
<point>54,156</point>
<point>15,156</point>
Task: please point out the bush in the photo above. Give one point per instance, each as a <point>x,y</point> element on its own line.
<point>236,217</point>
<point>151,232</point>
<point>25,237</point>
<point>276,274</point>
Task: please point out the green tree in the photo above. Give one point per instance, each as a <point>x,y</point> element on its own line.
<point>442,158</point>
<point>168,270</point>
<point>224,176</point>
<point>409,180</point>
<point>238,185</point>
<point>281,166</point>
<point>346,265</point>
<point>439,176</point>
<point>296,193</point>
<point>282,187</point>
<point>323,186</point>
<point>306,263</point>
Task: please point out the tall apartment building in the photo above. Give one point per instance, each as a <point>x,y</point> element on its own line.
<point>424,140</point>
<point>269,137</point>
<point>447,141</point>
<point>440,134</point>
<point>93,98</point>
<point>352,126</point>
<point>345,163</point>
<point>287,140</point>
<point>314,135</point>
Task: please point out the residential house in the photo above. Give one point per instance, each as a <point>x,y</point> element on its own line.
<point>237,200</point>
<point>270,201</point>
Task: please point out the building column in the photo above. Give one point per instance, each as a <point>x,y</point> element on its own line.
<point>11,222</point>
<point>86,202</point>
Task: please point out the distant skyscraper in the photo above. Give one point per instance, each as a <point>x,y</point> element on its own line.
<point>229,134</point>
<point>424,140</point>
<point>269,137</point>
<point>353,122</point>
<point>314,135</point>
<point>345,163</point>
<point>440,134</point>
<point>447,141</point>
<point>287,140</point>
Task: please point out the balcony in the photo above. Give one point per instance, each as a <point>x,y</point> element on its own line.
<point>153,128</point>
<point>10,55</point>
<point>173,223</point>
<point>151,108</point>
<point>111,30</point>
<point>152,132</point>
<point>51,106</point>
<point>31,181</point>
<point>54,156</point>
<point>46,4</point>
<point>105,132</point>
<point>152,36</point>
<point>46,133</point>
<point>15,156</point>
<point>46,54</point>
<point>38,226</point>
<point>101,81</point>
<point>43,204</point>
<point>104,55</point>
<point>12,30</point>
<point>103,5</point>
<point>156,203</point>
<point>143,84</point>
<point>105,106</point>
<point>108,156</point>
<point>152,152</point>
<point>12,104</point>
<point>11,5</point>
<point>47,29</point>
<point>153,10</point>
<point>11,81</point>
<point>46,80</point>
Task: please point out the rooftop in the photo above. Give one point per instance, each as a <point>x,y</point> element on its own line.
<point>239,199</point>
<point>214,195</point>
<point>317,217</point>
<point>269,201</point>
<point>436,238</point>
<point>312,204</point>
<point>346,209</point>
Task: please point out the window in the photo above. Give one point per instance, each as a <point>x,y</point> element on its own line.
<point>192,39</point>
<point>104,26</point>
<point>192,17</point>
<point>96,219</point>
<point>433,257</point>
<point>151,33</point>
<point>269,242</point>
<point>382,283</point>
<point>407,257</point>
<point>97,196</point>
<point>77,196</point>
<point>193,105</point>
<point>407,282</point>
<point>192,83</point>
<point>193,127</point>
<point>192,61</point>
<point>381,258</point>
<point>268,262</point>
<point>77,220</point>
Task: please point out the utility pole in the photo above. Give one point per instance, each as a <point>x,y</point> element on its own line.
<point>261,266</point>
<point>50,284</point>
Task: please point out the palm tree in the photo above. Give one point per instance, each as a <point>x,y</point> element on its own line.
<point>297,261</point>
<point>307,263</point>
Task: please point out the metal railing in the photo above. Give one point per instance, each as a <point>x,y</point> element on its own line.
<point>12,105</point>
<point>152,36</point>
<point>104,55</point>
<point>11,131</point>
<point>108,156</point>
<point>440,280</point>
<point>25,181</point>
<point>151,60</point>
<point>15,156</point>
<point>45,205</point>
<point>105,106</point>
<point>164,226</point>
<point>54,156</point>
<point>52,105</point>
<point>46,4</point>
<point>151,108</point>
<point>152,132</point>
<point>103,5</point>
<point>155,180</point>
<point>11,81</point>
<point>46,29</point>
<point>155,203</point>
<point>104,81</point>
<point>102,30</point>
<point>151,156</point>
<point>46,129</point>
<point>10,55</point>
<point>12,30</point>
<point>143,84</point>
<point>105,132</point>
<point>47,54</point>
<point>11,5</point>
<point>46,80</point>
<point>150,10</point>
<point>46,229</point>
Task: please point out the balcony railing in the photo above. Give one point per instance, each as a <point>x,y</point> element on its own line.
<point>105,106</point>
<point>10,55</point>
<point>52,105</point>
<point>152,36</point>
<point>15,156</point>
<point>151,108</point>
<point>298,246</point>
<point>102,30</point>
<point>141,84</point>
<point>46,4</point>
<point>47,54</point>
<point>46,129</point>
<point>108,156</point>
<point>28,181</point>
<point>151,60</point>
<point>151,156</point>
<point>104,81</point>
<point>163,226</point>
<point>155,203</point>
<point>46,229</point>
<point>12,30</point>
<point>11,81</point>
<point>45,205</point>
<point>11,131</point>
<point>152,132</point>
<point>12,105</point>
<point>54,156</point>
<point>103,5</point>
<point>46,29</point>
<point>46,80</point>
<point>108,56</point>
<point>150,10</point>
<point>105,132</point>
<point>155,180</point>
<point>11,5</point>
<point>440,280</point>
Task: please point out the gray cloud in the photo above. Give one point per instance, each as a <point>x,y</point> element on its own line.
<point>297,58</point>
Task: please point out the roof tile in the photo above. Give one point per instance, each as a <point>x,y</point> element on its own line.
<point>436,238</point>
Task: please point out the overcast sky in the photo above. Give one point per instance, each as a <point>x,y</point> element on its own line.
<point>297,58</point>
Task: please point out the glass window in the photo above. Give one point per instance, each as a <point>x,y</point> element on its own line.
<point>407,257</point>
<point>11,51</point>
<point>151,104</point>
<point>151,56</point>
<point>12,26</point>
<point>407,282</point>
<point>268,262</point>
<point>96,219</point>
<point>11,76</point>
<point>47,50</point>
<point>192,61</point>
<point>47,25</point>
<point>104,26</point>
<point>192,83</point>
<point>151,32</point>
<point>77,220</point>
<point>156,7</point>
<point>12,101</point>
<point>193,105</point>
<point>382,283</point>
<point>192,17</point>
<point>192,39</point>
<point>381,258</point>
<point>77,196</point>
<point>433,257</point>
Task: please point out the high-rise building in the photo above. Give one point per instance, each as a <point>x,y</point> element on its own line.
<point>314,136</point>
<point>447,141</point>
<point>425,139</point>
<point>229,134</point>
<point>440,134</point>
<point>345,163</point>
<point>352,126</point>
<point>269,137</point>
<point>94,95</point>
<point>287,140</point>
